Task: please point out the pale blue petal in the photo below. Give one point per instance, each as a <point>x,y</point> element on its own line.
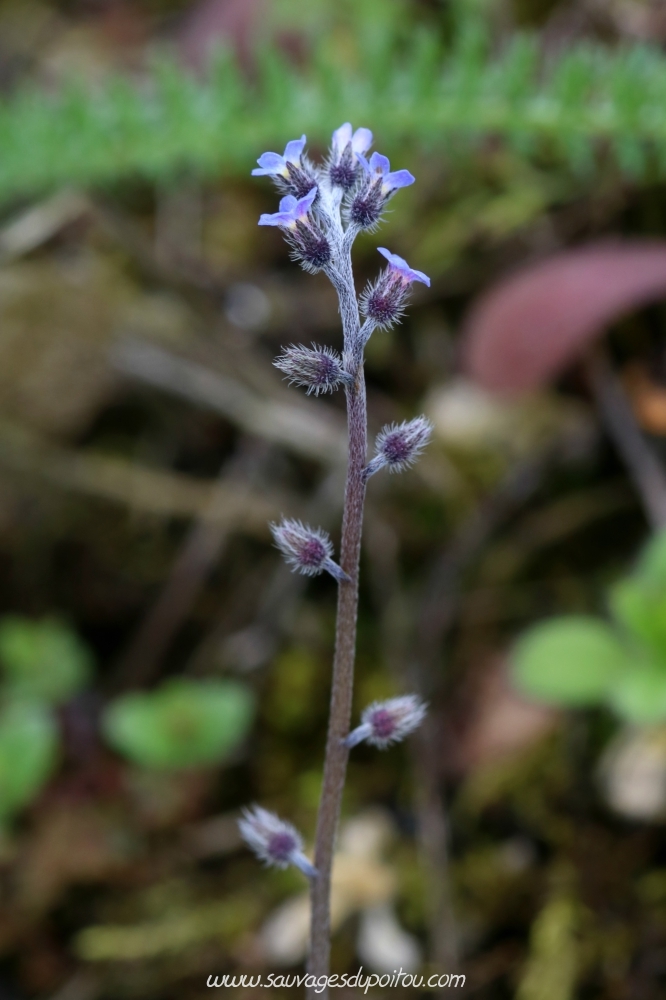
<point>399,179</point>
<point>302,207</point>
<point>386,253</point>
<point>379,162</point>
<point>293,150</point>
<point>341,137</point>
<point>288,203</point>
<point>270,162</point>
<point>420,276</point>
<point>361,140</point>
<point>276,219</point>
<point>364,163</point>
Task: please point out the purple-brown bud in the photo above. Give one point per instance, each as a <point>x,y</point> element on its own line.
<point>307,550</point>
<point>386,722</point>
<point>310,246</point>
<point>277,843</point>
<point>399,445</point>
<point>318,370</point>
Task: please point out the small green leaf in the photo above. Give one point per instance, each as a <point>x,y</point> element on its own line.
<point>571,660</point>
<point>639,693</point>
<point>639,601</point>
<point>28,748</point>
<point>42,660</point>
<point>641,608</point>
<point>651,566</point>
<point>182,724</point>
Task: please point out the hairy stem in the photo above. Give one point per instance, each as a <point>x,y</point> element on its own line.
<point>342,686</point>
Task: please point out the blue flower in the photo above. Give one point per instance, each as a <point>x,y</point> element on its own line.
<point>401,268</point>
<point>380,167</point>
<point>346,148</point>
<point>274,165</point>
<point>292,211</point>
<point>360,141</point>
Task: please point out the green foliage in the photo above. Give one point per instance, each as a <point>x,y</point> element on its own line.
<point>571,660</point>
<point>28,749</point>
<point>411,86</point>
<point>42,660</point>
<point>182,724</point>
<point>580,660</point>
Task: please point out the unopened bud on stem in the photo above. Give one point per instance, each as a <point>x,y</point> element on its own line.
<point>386,722</point>
<point>399,445</point>
<point>307,550</point>
<point>277,843</point>
<point>318,370</point>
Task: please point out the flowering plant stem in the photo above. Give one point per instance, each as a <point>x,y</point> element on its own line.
<point>355,190</point>
<point>342,685</point>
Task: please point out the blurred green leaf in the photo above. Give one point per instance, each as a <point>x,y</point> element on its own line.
<point>641,610</point>
<point>639,693</point>
<point>43,660</point>
<point>571,660</point>
<point>639,601</point>
<point>28,747</point>
<point>651,568</point>
<point>182,724</point>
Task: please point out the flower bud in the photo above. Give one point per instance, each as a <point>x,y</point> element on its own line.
<point>307,550</point>
<point>310,246</point>
<point>318,370</point>
<point>383,302</point>
<point>386,722</point>
<point>277,843</point>
<point>366,207</point>
<point>399,445</point>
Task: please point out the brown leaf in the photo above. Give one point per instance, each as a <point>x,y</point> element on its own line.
<point>530,327</point>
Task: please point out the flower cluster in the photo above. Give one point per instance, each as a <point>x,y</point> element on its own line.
<point>317,198</point>
<point>399,445</point>
<point>277,843</point>
<point>386,722</point>
<point>307,550</point>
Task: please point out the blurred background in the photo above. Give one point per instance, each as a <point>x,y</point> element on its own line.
<point>160,666</point>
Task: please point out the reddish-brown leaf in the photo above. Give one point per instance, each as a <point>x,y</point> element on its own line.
<point>530,327</point>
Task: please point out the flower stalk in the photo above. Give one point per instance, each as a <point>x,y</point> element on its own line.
<point>321,212</point>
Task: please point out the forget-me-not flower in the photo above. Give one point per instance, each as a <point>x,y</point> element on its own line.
<point>360,140</point>
<point>381,183</point>
<point>401,269</point>
<point>291,171</point>
<point>272,164</point>
<point>292,211</point>
<point>379,168</point>
<point>343,169</point>
<point>383,302</point>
